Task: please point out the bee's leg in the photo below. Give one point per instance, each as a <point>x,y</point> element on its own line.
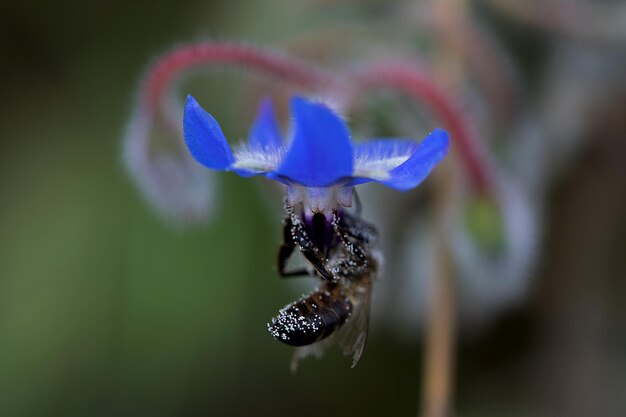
<point>308,249</point>
<point>286,250</point>
<point>283,256</point>
<point>316,259</point>
<point>295,235</point>
<point>355,227</point>
<point>355,244</point>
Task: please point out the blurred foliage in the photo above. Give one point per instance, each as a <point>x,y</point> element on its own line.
<point>485,224</point>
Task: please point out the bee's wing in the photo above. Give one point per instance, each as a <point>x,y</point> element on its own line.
<point>353,335</point>
<point>315,350</point>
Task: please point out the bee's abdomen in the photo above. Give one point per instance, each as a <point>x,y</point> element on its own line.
<point>311,318</point>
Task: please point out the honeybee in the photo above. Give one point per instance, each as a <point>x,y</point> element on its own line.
<point>340,254</point>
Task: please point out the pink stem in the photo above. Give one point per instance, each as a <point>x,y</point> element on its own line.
<point>169,66</point>
<point>420,86</point>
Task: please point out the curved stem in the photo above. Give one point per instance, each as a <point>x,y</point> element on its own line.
<point>169,67</point>
<point>419,85</point>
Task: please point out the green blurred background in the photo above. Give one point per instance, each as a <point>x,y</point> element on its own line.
<point>107,311</point>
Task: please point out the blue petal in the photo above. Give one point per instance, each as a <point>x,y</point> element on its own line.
<point>321,153</point>
<point>428,154</point>
<point>416,168</point>
<point>265,133</point>
<point>205,138</point>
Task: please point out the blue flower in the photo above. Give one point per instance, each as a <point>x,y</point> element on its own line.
<point>319,164</point>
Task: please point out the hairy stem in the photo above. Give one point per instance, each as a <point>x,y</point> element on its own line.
<point>420,85</point>
<point>169,67</point>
